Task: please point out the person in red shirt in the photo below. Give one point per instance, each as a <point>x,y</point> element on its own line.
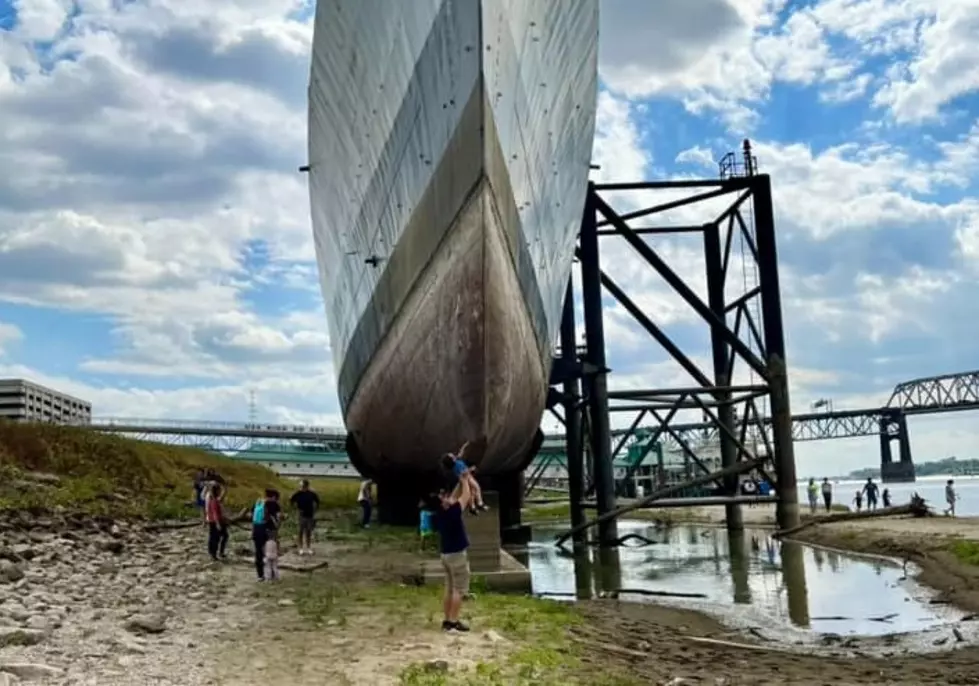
<point>217,525</point>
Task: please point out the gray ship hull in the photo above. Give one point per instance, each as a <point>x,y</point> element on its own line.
<point>449,147</point>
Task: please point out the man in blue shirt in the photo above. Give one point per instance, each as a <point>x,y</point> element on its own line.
<point>454,546</point>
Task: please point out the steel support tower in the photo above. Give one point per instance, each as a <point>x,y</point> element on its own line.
<point>745,329</point>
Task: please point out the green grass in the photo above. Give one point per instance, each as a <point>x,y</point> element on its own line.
<point>111,475</point>
<point>538,630</point>
<point>966,552</point>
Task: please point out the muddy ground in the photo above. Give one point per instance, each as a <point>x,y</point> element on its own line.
<point>101,604</point>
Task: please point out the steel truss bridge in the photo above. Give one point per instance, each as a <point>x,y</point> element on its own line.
<point>924,396</point>
<point>932,395</point>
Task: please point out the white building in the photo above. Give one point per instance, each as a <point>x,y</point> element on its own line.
<point>24,401</point>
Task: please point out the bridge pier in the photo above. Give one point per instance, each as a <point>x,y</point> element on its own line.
<point>894,427</point>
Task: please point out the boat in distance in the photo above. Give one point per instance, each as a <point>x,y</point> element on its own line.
<point>449,149</point>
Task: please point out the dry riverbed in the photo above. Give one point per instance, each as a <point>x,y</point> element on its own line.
<point>88,602</point>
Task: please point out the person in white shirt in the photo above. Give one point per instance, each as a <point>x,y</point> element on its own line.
<point>950,497</point>
<point>365,501</point>
<point>827,489</point>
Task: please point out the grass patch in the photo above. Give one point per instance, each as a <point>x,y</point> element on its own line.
<point>104,474</point>
<point>545,513</point>
<point>966,552</point>
<point>540,650</point>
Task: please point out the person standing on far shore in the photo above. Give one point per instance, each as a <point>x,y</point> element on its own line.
<point>871,489</point>
<point>827,494</point>
<point>813,491</point>
<point>950,497</point>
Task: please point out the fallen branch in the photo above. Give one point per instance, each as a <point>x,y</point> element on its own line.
<point>883,618</point>
<point>303,568</point>
<point>287,566</point>
<point>909,509</point>
<point>170,526</point>
<point>732,470</point>
<point>643,541</point>
<point>611,648</point>
<point>658,594</point>
<point>734,644</point>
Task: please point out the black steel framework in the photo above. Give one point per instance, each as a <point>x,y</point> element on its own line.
<point>946,393</point>
<point>732,410</point>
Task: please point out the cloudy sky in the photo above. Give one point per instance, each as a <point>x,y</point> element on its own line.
<point>155,247</point>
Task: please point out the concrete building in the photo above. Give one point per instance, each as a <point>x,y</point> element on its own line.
<point>25,401</point>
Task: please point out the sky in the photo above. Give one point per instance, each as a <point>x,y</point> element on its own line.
<point>156,253</point>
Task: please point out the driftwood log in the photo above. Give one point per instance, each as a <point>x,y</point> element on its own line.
<point>738,468</point>
<point>916,508</point>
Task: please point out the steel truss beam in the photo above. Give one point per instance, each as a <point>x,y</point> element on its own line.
<point>755,338</point>
<point>224,436</point>
<point>946,393</point>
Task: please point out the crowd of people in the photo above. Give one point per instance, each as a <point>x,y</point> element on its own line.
<point>266,516</point>
<point>870,492</point>
<point>441,515</point>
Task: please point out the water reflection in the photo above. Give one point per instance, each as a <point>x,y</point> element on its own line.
<point>794,580</point>
<point>804,587</point>
<point>739,563</point>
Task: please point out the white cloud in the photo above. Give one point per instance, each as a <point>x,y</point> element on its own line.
<point>152,145</point>
<point>943,64</point>
<point>8,334</point>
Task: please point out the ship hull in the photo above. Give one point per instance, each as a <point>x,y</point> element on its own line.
<point>447,179</point>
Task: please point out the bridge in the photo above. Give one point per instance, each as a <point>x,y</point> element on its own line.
<point>321,451</point>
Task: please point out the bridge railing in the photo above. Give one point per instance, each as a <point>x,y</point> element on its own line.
<point>215,426</point>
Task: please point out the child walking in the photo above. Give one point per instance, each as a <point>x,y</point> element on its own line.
<point>272,556</point>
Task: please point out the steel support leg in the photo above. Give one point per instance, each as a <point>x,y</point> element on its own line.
<point>572,419</point>
<point>601,444</point>
<point>721,353</point>
<point>787,510</point>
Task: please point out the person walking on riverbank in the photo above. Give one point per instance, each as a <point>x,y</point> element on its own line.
<point>266,515</point>
<point>813,492</point>
<point>307,502</point>
<point>858,500</point>
<point>454,546</point>
<point>950,497</point>
<point>827,489</point>
<point>217,525</point>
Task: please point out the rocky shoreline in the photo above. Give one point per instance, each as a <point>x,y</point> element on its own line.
<point>88,600</point>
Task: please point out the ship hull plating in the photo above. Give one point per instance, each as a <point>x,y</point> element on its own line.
<point>449,152</point>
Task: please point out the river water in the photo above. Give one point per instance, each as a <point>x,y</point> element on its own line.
<point>752,581</point>
<point>931,488</point>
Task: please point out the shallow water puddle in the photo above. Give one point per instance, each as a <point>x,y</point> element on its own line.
<point>786,590</point>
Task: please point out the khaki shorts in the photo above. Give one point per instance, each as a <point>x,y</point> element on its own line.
<point>456,567</point>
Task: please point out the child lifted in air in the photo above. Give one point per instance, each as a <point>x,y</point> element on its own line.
<point>456,464</point>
